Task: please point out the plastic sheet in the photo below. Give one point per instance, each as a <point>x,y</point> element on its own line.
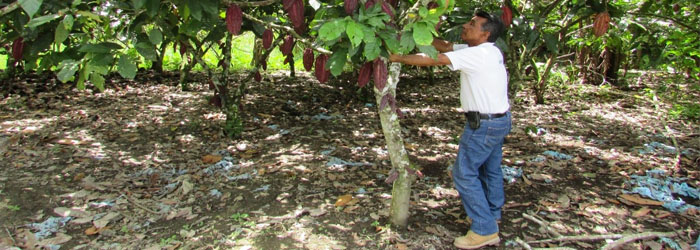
<point>49,226</point>
<point>557,155</point>
<point>657,186</point>
<point>336,162</point>
<point>511,174</point>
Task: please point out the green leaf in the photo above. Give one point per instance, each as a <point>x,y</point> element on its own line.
<point>428,50</point>
<point>332,30</point>
<point>61,33</point>
<point>82,75</point>
<point>407,44</point>
<point>210,7</point>
<point>68,22</point>
<point>146,50</point>
<point>354,31</point>
<point>94,48</point>
<point>68,69</point>
<point>41,20</point>
<point>152,7</point>
<point>138,3</point>
<point>422,34</point>
<point>551,42</point>
<point>30,6</point>
<point>195,9</point>
<point>423,12</point>
<point>392,44</point>
<point>126,67</point>
<point>98,80</point>
<point>90,15</point>
<point>155,36</point>
<point>337,61</point>
<point>372,51</point>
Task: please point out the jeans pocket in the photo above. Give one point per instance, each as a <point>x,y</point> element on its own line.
<point>494,135</point>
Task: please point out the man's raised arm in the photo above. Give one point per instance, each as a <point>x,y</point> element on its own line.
<point>442,45</point>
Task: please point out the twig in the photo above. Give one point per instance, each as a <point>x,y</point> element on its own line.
<point>10,234</point>
<point>636,237</point>
<point>579,238</point>
<point>9,8</point>
<point>523,243</point>
<point>543,224</point>
<point>139,205</point>
<point>251,4</point>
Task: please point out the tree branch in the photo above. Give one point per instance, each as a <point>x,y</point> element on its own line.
<point>635,237</point>
<point>250,4</point>
<point>9,8</point>
<point>290,31</point>
<point>667,18</point>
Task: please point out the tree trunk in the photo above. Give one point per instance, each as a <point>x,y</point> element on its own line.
<point>541,84</point>
<point>401,192</point>
<point>613,67</point>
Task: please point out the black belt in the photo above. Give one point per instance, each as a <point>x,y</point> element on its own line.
<point>489,116</point>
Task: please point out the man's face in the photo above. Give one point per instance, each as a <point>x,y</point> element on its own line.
<point>471,31</point>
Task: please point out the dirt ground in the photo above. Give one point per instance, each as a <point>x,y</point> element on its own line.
<point>144,165</point>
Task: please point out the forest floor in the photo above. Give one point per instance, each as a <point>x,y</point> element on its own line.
<point>144,165</point>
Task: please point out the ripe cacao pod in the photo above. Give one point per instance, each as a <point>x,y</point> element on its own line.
<point>183,48</point>
<point>263,64</point>
<point>267,38</point>
<point>380,73</point>
<point>234,19</point>
<point>286,4</point>
<point>215,100</point>
<point>432,5</point>
<point>506,16</point>
<point>287,45</point>
<point>601,23</point>
<point>257,76</point>
<point>676,8</point>
<point>370,3</point>
<point>296,14</point>
<point>320,70</point>
<point>18,48</point>
<point>387,9</point>
<point>308,59</point>
<point>365,73</point>
<point>288,60</point>
<point>350,6</point>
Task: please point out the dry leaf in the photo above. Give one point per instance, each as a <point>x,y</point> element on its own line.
<point>343,200</point>
<point>209,159</point>
<point>641,212</point>
<point>102,222</point>
<point>641,201</point>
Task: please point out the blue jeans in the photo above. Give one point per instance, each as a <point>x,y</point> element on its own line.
<point>477,173</point>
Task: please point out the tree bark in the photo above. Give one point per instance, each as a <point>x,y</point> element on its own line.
<point>401,192</point>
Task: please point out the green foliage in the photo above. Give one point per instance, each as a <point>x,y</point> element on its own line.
<point>689,111</point>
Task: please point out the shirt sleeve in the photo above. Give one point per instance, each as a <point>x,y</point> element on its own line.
<point>456,47</point>
<point>463,58</point>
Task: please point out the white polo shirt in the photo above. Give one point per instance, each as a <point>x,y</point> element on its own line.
<point>483,77</point>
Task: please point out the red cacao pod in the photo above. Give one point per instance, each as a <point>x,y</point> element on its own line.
<point>215,100</point>
<point>365,73</point>
<point>234,19</point>
<point>288,60</point>
<point>18,48</point>
<point>370,3</point>
<point>287,45</point>
<point>601,23</point>
<point>350,6</point>
<point>380,73</point>
<point>183,48</point>
<point>257,76</point>
<point>320,70</point>
<point>432,5</point>
<point>263,64</point>
<point>267,39</point>
<point>296,14</point>
<point>388,9</point>
<point>308,59</point>
<point>286,4</point>
<point>506,16</point>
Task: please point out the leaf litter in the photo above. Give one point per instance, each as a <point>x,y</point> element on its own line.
<point>152,170</point>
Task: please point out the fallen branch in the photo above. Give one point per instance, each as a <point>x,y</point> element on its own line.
<point>635,237</point>
<point>10,235</point>
<point>604,237</point>
<point>543,224</point>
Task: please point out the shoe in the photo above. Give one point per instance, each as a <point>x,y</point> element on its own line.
<point>473,240</point>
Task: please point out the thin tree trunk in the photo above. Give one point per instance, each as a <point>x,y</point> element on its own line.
<point>542,82</point>
<point>401,192</point>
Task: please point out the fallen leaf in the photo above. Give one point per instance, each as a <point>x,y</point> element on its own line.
<point>641,201</point>
<point>343,200</point>
<point>209,159</point>
<point>102,222</point>
<point>401,246</point>
<point>641,212</point>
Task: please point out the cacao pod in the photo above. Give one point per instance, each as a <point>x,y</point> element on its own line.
<point>286,4</point>
<point>263,64</point>
<point>257,76</point>
<point>18,48</point>
<point>267,39</point>
<point>676,8</point>
<point>387,9</point>
<point>308,59</point>
<point>350,6</point>
<point>365,73</point>
<point>288,60</point>
<point>296,14</point>
<point>380,73</point>
<point>506,16</point>
<point>601,23</point>
<point>432,5</point>
<point>215,100</point>
<point>287,45</point>
<point>234,19</point>
<point>393,3</point>
<point>320,70</point>
<point>370,3</point>
<point>183,48</point>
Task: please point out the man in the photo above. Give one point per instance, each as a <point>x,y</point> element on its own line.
<point>483,95</point>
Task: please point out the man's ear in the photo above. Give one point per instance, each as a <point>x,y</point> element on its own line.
<point>486,35</point>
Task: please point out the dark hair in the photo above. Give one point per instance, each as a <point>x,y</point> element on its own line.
<point>493,25</point>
